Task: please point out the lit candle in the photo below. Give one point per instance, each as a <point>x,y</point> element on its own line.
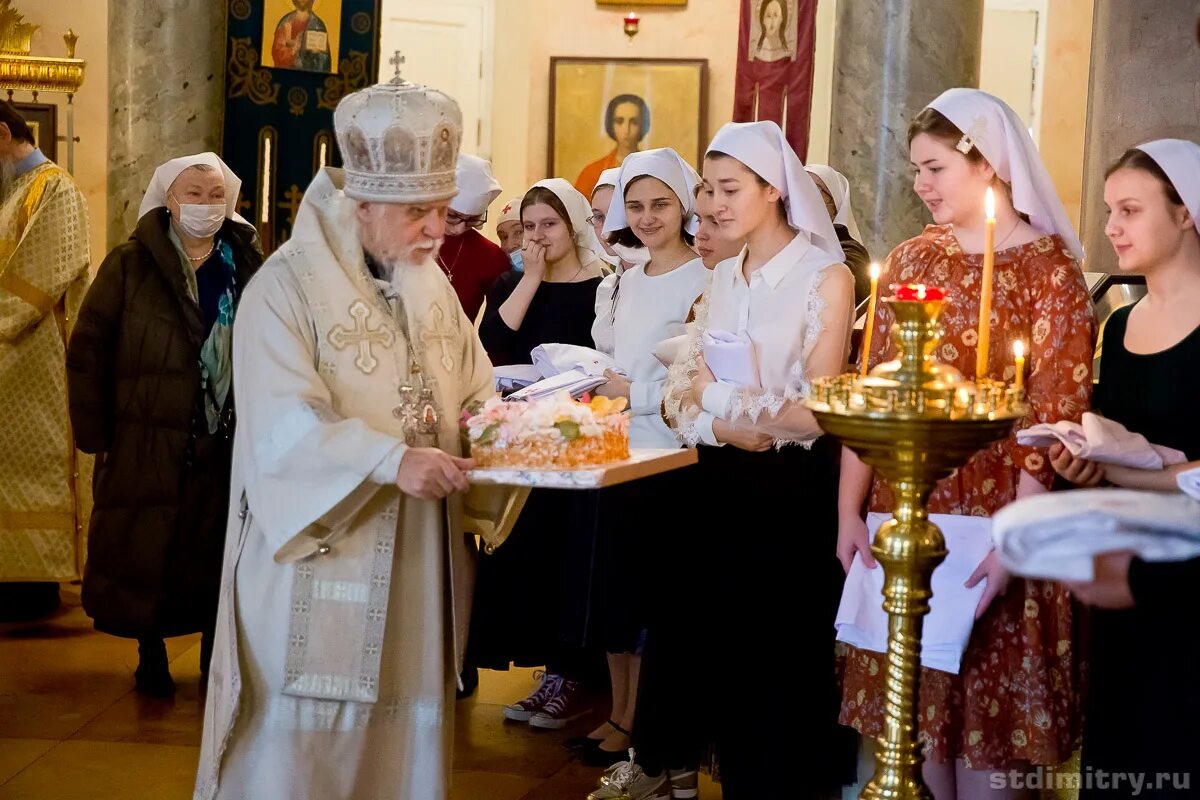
<point>985,290</point>
<point>1019,354</point>
<point>917,292</point>
<point>869,325</point>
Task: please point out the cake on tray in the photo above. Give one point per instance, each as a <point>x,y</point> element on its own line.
<point>551,433</point>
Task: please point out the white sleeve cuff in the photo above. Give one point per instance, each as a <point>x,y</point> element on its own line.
<point>387,471</point>
<point>645,397</point>
<point>716,398</point>
<point>704,427</point>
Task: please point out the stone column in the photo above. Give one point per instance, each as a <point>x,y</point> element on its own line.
<point>1145,84</point>
<point>166,71</point>
<point>892,57</point>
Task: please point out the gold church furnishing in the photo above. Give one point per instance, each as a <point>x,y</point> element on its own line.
<point>915,421</point>
<point>21,71</point>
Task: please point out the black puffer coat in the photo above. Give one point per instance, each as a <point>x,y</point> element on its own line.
<point>161,484</point>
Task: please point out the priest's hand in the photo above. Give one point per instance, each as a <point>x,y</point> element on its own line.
<point>1078,471</point>
<point>853,537</point>
<point>533,256</point>
<point>617,386</point>
<point>1110,586</point>
<point>742,438</point>
<point>997,581</point>
<point>431,474</point>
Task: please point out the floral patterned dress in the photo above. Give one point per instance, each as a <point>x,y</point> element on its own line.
<point>1017,696</point>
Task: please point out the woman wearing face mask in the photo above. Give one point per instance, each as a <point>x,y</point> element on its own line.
<point>150,385</point>
<point>1014,702</point>
<point>518,613</point>
<point>765,495</point>
<point>1148,383</point>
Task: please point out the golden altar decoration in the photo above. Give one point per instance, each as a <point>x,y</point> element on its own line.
<point>915,421</point>
<point>22,71</point>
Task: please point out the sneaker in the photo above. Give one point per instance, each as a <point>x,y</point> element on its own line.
<point>522,710</point>
<point>626,781</point>
<point>684,784</point>
<point>567,705</point>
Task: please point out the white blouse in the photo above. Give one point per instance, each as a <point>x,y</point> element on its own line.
<point>648,309</point>
<point>780,311</point>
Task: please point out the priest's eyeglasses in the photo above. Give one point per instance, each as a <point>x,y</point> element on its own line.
<point>454,218</point>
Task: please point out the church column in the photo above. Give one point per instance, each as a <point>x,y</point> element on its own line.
<point>1145,84</point>
<point>892,57</point>
<point>166,69</point>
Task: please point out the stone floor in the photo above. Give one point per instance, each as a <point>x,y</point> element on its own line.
<point>71,727</point>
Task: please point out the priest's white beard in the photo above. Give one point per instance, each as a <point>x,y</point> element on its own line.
<point>397,270</point>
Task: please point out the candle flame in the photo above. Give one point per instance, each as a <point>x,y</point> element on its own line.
<point>874,271</point>
<point>1019,349</point>
<point>989,204</point>
<point>920,291</point>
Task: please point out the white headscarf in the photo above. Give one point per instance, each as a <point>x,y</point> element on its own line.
<point>763,148</point>
<point>511,212</point>
<point>579,209</point>
<point>1180,159</point>
<point>164,176</point>
<point>670,168</point>
<point>995,129</point>
<point>839,187</point>
<point>607,178</point>
<point>477,186</point>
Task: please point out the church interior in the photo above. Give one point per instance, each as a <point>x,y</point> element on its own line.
<point>112,89</point>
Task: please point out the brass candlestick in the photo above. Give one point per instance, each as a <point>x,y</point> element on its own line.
<point>915,421</point>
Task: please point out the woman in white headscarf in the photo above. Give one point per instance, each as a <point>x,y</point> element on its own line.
<point>835,191</point>
<point>962,144</point>
<point>519,589</point>
<point>775,318</point>
<point>1142,674</point>
<point>150,384</point>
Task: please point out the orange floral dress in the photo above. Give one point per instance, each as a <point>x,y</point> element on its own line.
<point>1017,695</point>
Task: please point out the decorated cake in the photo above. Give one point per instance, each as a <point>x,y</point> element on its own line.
<point>551,433</point>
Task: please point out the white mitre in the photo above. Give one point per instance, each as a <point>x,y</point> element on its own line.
<point>399,143</point>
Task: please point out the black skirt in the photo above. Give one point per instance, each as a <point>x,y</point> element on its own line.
<point>740,650</point>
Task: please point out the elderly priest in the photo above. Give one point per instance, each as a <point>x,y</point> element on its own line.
<point>347,574</point>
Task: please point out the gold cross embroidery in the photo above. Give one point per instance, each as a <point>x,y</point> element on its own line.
<point>341,337</point>
<point>438,333</point>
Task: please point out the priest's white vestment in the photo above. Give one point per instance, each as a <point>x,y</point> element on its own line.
<point>344,603</point>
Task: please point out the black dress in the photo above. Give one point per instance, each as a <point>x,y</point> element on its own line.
<point>1143,705</point>
<point>523,611</point>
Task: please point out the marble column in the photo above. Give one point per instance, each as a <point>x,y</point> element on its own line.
<point>1145,84</point>
<point>166,71</point>
<point>891,58</point>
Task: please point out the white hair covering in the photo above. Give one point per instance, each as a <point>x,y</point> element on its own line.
<point>839,187</point>
<point>579,210</point>
<point>670,168</point>
<point>511,212</point>
<point>165,175</point>
<point>995,129</point>
<point>477,186</point>
<point>764,150</point>
<point>1180,159</point>
<point>607,178</point>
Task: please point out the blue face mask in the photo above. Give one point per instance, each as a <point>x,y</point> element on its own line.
<point>517,260</point>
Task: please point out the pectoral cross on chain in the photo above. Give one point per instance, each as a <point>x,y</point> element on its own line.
<point>361,335</point>
<point>440,334</point>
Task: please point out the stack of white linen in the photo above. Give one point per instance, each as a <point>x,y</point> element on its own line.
<point>555,359</point>
<point>732,358</point>
<point>862,622</point>
<point>1104,440</point>
<point>1057,535</point>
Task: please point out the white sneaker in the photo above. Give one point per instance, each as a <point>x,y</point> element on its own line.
<point>626,781</point>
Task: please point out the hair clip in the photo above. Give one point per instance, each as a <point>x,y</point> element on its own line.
<point>964,145</point>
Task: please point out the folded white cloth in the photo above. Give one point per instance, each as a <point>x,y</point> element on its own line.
<point>1057,535</point>
<point>1103,440</point>
<point>515,376</point>
<point>862,622</point>
<point>574,381</point>
<point>555,359</point>
<point>668,351</point>
<point>731,358</point>
<point>1189,482</point>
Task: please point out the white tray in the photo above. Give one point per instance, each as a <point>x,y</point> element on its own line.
<point>640,464</point>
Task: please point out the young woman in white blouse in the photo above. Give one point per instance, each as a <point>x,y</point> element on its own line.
<point>767,488</point>
<point>653,206</point>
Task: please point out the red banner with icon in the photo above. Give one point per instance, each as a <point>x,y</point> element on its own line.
<point>776,41</point>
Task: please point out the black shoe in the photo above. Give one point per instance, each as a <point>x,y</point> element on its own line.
<point>470,682</point>
<point>578,743</point>
<point>154,681</point>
